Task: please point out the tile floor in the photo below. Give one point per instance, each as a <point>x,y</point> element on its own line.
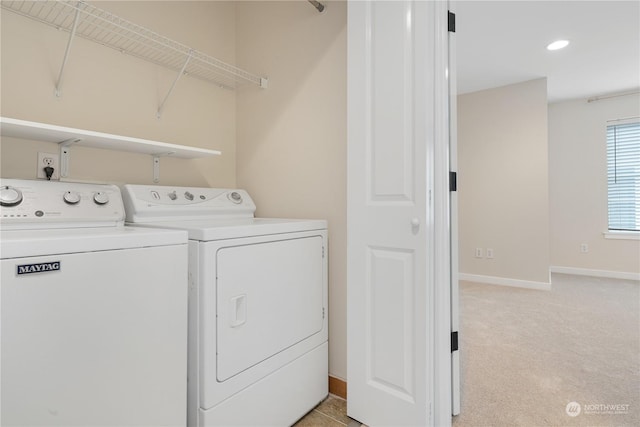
<point>332,412</point>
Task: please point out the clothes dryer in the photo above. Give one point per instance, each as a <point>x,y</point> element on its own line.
<point>93,314</point>
<point>257,304</point>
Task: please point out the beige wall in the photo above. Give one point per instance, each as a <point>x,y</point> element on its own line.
<point>578,185</point>
<point>114,93</point>
<point>291,142</point>
<point>503,182</point>
<point>291,138</point>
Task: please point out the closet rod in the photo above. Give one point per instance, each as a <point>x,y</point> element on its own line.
<point>317,5</point>
<point>624,119</point>
<point>615,95</point>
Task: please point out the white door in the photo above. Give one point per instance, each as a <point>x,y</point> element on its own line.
<point>397,132</point>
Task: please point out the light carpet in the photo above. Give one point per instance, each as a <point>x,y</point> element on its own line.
<point>526,355</point>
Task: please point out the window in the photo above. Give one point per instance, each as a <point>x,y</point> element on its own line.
<point>623,175</point>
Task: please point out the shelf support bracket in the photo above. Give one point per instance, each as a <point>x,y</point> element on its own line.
<point>156,164</point>
<point>76,20</point>
<point>317,5</point>
<point>156,169</point>
<point>180,74</point>
<point>65,155</point>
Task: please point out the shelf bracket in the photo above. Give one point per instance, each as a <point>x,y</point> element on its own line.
<point>156,164</point>
<point>317,5</point>
<point>180,74</point>
<point>156,169</point>
<point>72,34</point>
<point>65,155</point>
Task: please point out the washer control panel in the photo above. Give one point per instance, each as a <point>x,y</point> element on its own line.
<point>58,204</point>
<point>147,203</point>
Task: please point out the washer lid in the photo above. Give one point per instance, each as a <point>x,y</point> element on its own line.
<point>231,228</point>
<point>25,243</point>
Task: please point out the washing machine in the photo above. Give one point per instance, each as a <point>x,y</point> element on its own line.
<point>257,304</point>
<point>93,314</point>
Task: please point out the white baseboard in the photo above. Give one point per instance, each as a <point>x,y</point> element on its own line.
<point>596,273</point>
<point>503,281</point>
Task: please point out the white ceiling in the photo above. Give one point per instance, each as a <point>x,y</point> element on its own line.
<point>504,42</point>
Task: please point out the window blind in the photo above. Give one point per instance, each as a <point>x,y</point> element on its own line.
<point>623,176</point>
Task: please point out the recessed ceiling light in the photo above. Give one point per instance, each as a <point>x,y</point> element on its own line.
<point>558,44</point>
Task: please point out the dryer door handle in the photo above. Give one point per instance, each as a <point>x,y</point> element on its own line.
<point>238,310</point>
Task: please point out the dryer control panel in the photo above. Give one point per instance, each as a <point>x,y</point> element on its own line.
<point>26,204</point>
<point>151,203</point>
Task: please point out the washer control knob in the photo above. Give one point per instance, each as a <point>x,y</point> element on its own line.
<point>71,197</point>
<point>188,195</point>
<point>235,197</point>
<point>101,198</point>
<point>10,196</point>
<point>172,195</point>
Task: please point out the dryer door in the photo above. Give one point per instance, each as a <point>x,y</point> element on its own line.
<point>261,305</point>
<point>269,298</point>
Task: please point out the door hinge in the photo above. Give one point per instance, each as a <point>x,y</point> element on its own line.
<point>452,22</point>
<point>454,341</point>
<point>453,181</point>
<point>323,312</point>
<point>323,252</point>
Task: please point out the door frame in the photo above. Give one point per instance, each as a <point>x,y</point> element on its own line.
<point>453,164</point>
<point>442,395</point>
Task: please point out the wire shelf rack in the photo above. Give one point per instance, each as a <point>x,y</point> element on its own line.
<point>100,26</point>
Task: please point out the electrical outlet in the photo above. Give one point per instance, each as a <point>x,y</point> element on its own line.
<point>51,160</point>
<point>489,253</point>
<point>479,253</point>
<point>584,248</point>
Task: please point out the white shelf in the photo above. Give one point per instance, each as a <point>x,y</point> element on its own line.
<point>89,22</point>
<point>86,138</point>
<point>66,137</point>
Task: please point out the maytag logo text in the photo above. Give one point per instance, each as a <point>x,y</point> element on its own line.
<point>39,268</point>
